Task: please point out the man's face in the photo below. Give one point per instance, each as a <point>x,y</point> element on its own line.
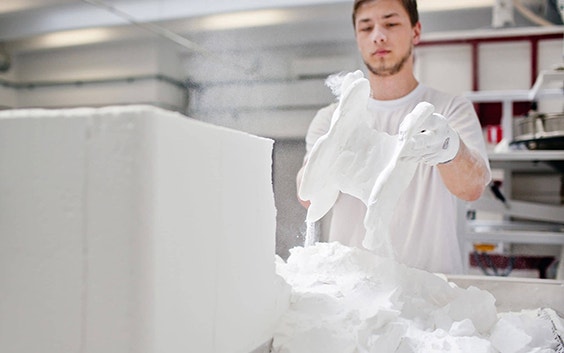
<point>384,36</point>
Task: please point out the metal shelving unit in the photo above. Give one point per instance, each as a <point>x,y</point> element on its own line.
<point>536,223</point>
<point>507,97</point>
<point>522,222</point>
<point>547,221</point>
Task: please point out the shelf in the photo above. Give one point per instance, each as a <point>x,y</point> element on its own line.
<point>521,209</point>
<point>512,95</point>
<point>515,95</point>
<point>523,222</point>
<point>514,232</point>
<point>527,156</point>
<point>543,78</point>
<point>540,90</point>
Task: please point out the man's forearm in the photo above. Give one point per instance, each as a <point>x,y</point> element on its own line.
<point>467,175</point>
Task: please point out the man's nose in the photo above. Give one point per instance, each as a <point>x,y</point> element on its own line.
<point>378,35</point>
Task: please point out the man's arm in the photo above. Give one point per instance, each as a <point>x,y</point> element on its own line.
<point>467,175</point>
<point>435,143</point>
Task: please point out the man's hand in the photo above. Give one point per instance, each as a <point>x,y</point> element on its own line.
<point>434,142</point>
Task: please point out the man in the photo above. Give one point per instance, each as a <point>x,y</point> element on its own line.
<point>423,228</point>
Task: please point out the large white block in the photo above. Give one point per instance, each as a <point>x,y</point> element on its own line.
<point>134,229</point>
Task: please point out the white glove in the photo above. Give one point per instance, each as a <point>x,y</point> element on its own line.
<point>434,141</point>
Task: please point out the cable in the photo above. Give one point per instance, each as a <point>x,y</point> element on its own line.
<point>530,15</point>
<point>169,35</point>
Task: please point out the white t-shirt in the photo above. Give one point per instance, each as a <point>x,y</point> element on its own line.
<point>423,228</point>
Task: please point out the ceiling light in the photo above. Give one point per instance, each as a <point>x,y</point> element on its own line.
<point>74,37</point>
<point>9,6</point>
<point>244,19</point>
<point>438,5</point>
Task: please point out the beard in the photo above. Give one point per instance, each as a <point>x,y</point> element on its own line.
<point>383,70</point>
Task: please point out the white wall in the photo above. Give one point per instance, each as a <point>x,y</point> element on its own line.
<point>7,92</point>
<point>505,66</point>
<point>7,97</point>
<point>448,68</point>
<point>95,75</point>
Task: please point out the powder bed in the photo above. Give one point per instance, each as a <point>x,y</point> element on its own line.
<point>348,300</point>
<point>134,229</point>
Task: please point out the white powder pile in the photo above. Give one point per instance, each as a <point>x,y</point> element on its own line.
<point>348,300</point>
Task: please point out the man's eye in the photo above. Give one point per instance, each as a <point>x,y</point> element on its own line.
<point>391,24</point>
<point>366,29</point>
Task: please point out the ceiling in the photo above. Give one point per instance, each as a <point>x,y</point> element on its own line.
<point>24,18</point>
<point>38,24</point>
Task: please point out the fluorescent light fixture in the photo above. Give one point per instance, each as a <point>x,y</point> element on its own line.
<point>74,37</point>
<point>244,19</point>
<point>438,5</point>
<point>8,6</point>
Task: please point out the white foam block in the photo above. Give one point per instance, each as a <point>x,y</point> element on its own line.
<point>134,229</point>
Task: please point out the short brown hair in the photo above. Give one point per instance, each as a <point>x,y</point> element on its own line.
<point>409,5</point>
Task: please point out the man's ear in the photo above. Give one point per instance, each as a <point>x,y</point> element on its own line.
<point>417,33</point>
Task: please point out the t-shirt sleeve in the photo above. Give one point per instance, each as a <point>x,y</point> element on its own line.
<point>319,126</point>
